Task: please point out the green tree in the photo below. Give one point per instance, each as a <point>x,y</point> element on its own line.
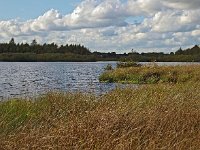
<point>34,42</point>
<point>12,41</point>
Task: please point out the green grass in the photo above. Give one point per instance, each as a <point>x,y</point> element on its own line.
<point>160,116</point>
<point>150,74</point>
<point>126,64</point>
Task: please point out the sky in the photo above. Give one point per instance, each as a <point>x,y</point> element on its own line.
<point>104,25</point>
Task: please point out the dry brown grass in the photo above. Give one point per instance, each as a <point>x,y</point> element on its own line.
<point>150,117</point>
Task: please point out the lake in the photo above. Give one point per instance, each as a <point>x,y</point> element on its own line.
<point>27,79</point>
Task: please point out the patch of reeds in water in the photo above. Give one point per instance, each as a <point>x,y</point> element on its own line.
<point>151,74</point>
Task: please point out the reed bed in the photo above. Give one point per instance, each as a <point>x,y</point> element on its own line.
<point>152,73</point>
<point>151,117</point>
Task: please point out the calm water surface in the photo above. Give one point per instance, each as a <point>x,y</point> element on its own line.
<point>22,79</point>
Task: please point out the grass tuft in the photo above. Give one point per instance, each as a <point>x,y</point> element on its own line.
<point>161,116</point>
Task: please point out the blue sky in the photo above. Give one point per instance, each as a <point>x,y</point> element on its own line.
<point>29,9</point>
<point>103,25</point>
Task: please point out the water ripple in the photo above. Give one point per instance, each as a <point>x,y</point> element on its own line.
<point>34,78</point>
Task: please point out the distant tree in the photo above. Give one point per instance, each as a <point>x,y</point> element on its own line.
<point>132,51</point>
<point>179,52</point>
<point>195,50</point>
<point>190,51</point>
<point>11,46</point>
<point>34,42</point>
<point>12,41</point>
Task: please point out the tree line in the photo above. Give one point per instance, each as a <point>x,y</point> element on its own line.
<point>188,55</point>
<point>36,48</point>
<point>12,51</point>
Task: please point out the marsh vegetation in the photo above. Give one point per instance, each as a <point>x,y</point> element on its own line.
<point>161,116</point>
<point>151,73</point>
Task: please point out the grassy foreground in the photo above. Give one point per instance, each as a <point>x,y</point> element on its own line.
<point>161,116</point>
<point>152,73</point>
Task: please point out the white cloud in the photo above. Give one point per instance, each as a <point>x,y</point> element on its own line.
<point>175,21</point>
<point>182,4</point>
<point>101,25</point>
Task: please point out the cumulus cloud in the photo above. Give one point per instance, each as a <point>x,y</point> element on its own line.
<point>182,4</point>
<point>102,25</point>
<point>175,21</point>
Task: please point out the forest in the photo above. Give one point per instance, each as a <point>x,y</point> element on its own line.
<point>33,52</point>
